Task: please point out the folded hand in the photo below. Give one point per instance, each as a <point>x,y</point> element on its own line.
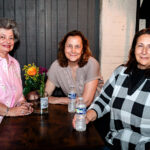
<point>21,109</point>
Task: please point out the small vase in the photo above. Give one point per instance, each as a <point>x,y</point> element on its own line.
<point>44,105</point>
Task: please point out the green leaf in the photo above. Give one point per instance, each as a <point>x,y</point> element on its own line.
<point>29,82</point>
<point>26,90</point>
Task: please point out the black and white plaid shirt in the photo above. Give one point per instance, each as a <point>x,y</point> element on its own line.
<point>130,111</point>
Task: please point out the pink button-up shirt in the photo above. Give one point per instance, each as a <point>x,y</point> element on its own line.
<point>10,82</point>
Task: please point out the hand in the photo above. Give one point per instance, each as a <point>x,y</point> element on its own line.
<point>22,110</point>
<point>90,116</point>
<point>23,103</point>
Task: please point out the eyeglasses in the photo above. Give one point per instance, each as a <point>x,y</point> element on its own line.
<point>4,38</point>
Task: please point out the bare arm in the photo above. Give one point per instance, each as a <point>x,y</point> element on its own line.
<point>58,100</point>
<point>89,91</point>
<point>50,87</point>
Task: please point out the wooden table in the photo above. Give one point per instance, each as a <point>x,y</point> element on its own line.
<point>42,132</point>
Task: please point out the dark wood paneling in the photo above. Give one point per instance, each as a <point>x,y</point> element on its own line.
<point>41,53</point>
<point>9,9</point>
<point>43,23</point>
<point>90,25</point>
<point>96,51</point>
<point>31,31</point>
<point>21,52</point>
<point>62,18</point>
<point>48,40</point>
<point>72,14</point>
<point>1,8</point>
<point>82,16</point>
<point>54,30</point>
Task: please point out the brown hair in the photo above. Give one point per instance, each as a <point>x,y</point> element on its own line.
<point>10,24</point>
<point>132,62</point>
<point>63,61</point>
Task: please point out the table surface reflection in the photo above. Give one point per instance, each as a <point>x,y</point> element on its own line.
<point>53,131</point>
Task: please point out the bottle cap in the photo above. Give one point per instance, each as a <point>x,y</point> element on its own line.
<point>80,98</point>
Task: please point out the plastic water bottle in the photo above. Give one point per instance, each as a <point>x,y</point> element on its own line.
<point>72,98</point>
<point>80,124</point>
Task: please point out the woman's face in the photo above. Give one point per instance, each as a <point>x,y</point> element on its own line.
<point>142,51</point>
<point>6,40</point>
<point>73,48</point>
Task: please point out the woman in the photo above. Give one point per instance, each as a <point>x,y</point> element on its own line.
<point>12,101</point>
<point>126,95</point>
<point>74,66</point>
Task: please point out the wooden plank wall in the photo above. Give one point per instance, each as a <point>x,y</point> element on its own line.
<point>42,24</point>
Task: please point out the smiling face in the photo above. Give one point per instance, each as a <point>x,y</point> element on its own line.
<point>6,41</point>
<point>142,51</point>
<point>73,49</point>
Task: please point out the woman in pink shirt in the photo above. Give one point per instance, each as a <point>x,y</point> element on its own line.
<point>12,101</point>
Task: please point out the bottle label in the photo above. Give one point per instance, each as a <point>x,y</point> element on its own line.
<point>44,102</point>
<point>72,95</point>
<point>81,110</point>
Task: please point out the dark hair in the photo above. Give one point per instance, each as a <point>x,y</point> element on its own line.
<point>63,61</point>
<point>132,62</point>
<point>10,24</point>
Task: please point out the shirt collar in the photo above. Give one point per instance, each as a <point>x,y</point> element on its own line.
<point>10,58</point>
